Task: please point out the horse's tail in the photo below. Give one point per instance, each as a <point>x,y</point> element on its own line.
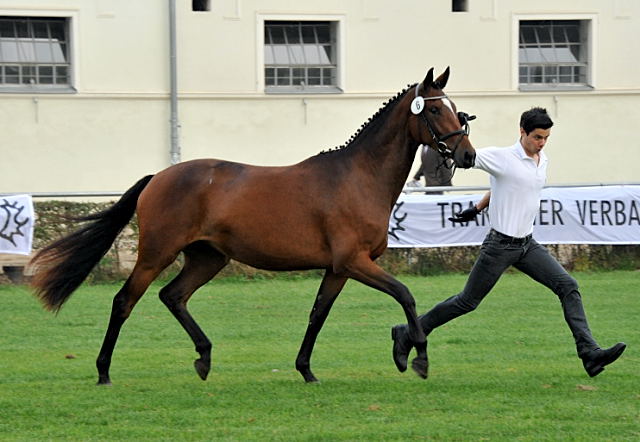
<point>64,264</point>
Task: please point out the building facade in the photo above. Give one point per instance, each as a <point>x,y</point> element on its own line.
<point>85,86</point>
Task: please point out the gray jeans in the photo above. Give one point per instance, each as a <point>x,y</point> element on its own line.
<point>497,253</point>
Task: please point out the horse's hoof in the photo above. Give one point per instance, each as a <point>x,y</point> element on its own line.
<point>202,368</point>
<point>106,382</point>
<point>308,376</point>
<point>421,367</point>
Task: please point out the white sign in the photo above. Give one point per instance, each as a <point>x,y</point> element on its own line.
<point>578,215</point>
<point>16,224</point>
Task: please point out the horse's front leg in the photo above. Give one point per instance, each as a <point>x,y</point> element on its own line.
<point>366,271</point>
<point>329,290</point>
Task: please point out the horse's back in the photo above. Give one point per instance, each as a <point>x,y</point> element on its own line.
<point>254,214</point>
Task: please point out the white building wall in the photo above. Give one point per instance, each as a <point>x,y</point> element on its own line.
<point>115,128</point>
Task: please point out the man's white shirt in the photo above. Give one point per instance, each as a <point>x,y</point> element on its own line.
<point>516,184</point>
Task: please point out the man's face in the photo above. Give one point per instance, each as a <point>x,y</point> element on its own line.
<point>534,141</point>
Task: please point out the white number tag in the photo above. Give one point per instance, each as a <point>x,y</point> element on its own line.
<point>417,105</point>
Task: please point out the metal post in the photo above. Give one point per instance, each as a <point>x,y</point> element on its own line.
<point>173,74</point>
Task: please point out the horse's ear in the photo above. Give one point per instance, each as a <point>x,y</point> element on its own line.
<point>426,84</point>
<point>441,81</point>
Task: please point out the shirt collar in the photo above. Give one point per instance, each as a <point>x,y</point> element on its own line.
<point>519,150</point>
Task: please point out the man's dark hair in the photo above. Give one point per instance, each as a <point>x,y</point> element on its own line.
<point>535,118</point>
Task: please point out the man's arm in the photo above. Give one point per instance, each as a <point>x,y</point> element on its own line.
<point>470,213</point>
<point>484,202</point>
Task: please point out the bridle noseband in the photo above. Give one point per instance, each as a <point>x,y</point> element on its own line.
<point>418,107</point>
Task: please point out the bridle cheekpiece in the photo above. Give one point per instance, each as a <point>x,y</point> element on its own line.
<point>418,107</point>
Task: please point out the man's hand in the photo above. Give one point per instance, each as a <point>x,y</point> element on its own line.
<point>466,215</point>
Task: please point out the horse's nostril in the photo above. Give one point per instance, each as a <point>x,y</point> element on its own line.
<point>469,159</point>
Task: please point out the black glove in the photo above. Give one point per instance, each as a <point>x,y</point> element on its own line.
<point>466,215</point>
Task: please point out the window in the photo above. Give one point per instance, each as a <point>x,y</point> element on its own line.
<point>459,6</point>
<point>34,53</point>
<point>200,5</point>
<point>300,56</point>
<point>553,53</point>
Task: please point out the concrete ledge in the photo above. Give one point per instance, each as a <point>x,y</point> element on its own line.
<point>15,267</point>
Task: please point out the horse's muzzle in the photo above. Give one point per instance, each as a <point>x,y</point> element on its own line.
<point>466,159</point>
<point>469,160</point>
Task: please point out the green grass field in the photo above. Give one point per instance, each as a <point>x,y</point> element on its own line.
<point>507,371</point>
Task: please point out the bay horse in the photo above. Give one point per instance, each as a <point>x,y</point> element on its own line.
<point>330,211</point>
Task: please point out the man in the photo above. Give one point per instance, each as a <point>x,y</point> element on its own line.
<point>437,171</point>
<point>518,174</point>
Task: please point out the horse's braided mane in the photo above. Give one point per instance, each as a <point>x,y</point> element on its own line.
<point>386,106</point>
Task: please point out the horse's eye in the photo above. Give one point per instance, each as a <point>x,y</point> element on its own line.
<point>434,110</point>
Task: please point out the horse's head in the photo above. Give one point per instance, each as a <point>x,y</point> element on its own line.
<point>438,123</point>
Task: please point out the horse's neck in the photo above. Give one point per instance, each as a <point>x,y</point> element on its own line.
<point>387,154</point>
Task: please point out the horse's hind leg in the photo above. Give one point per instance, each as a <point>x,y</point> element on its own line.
<point>329,290</point>
<point>202,262</point>
<point>123,303</point>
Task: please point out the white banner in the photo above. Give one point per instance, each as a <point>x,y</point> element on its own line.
<point>16,224</point>
<point>577,215</point>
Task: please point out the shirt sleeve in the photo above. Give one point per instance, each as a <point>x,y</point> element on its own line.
<point>490,160</point>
